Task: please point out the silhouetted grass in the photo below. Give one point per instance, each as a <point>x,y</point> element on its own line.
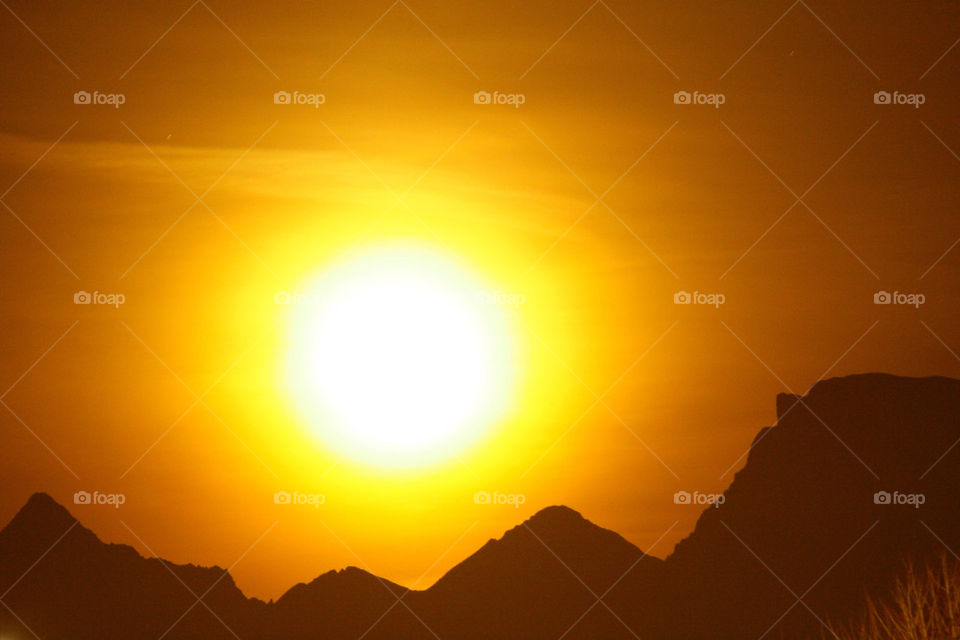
<point>923,605</point>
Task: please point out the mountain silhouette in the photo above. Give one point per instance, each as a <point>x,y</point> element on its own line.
<point>542,575</point>
<point>817,517</point>
<point>338,604</point>
<point>800,518</point>
<point>83,587</point>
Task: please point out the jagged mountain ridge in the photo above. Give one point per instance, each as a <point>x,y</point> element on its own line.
<point>799,519</point>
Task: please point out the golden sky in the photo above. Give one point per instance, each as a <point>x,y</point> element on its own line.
<point>597,199</point>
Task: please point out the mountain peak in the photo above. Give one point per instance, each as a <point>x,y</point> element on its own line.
<point>807,491</point>
<point>347,575</point>
<point>40,523</point>
<point>42,513</point>
<point>335,584</point>
<point>544,553</point>
<point>879,384</point>
<point>562,528</point>
<point>41,499</point>
<point>557,515</point>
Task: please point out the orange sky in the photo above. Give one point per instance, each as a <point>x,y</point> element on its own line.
<point>691,198</point>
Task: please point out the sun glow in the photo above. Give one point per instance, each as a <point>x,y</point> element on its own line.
<point>397,358</point>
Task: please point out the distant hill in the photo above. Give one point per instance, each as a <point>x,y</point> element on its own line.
<point>539,577</point>
<point>799,520</point>
<point>85,588</point>
<point>806,495</point>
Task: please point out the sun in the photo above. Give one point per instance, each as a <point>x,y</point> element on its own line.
<point>397,358</point>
